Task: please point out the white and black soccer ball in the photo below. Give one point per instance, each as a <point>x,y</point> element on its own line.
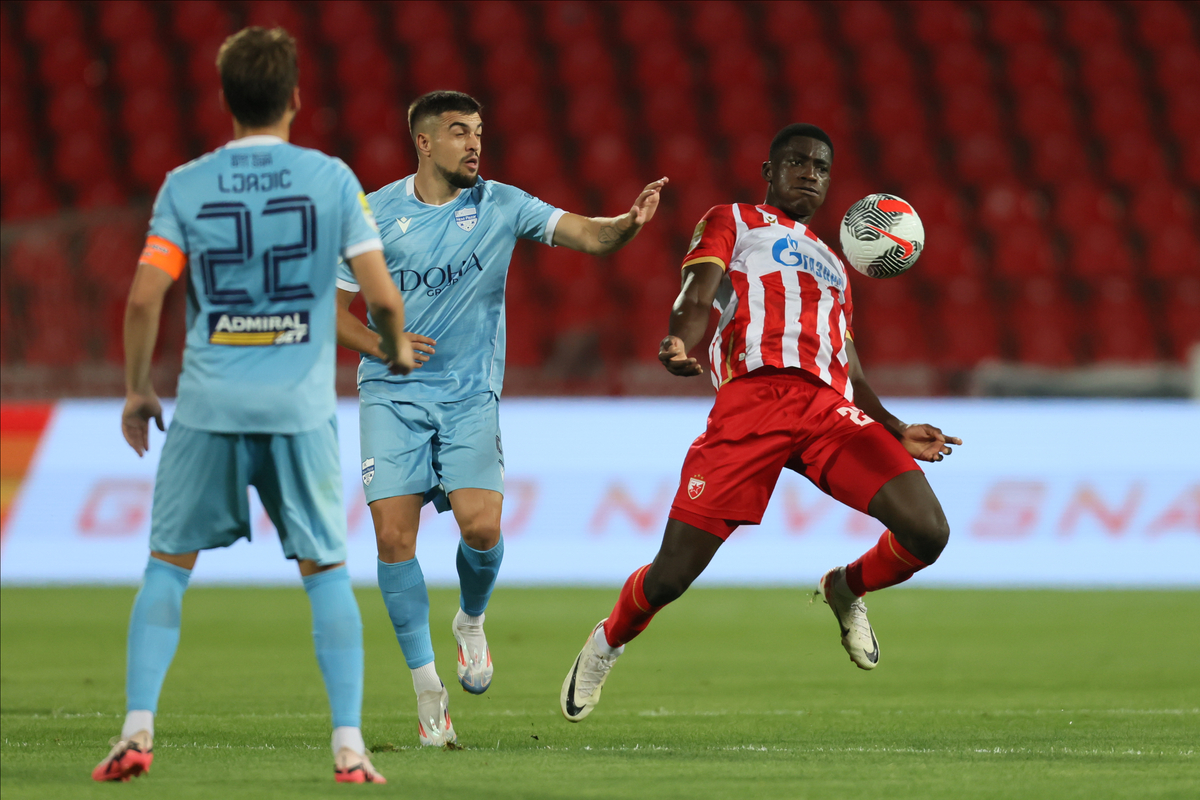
<point>882,236</point>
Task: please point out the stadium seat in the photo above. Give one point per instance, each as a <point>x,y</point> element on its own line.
<point>960,64</point>
<point>75,108</point>
<point>29,199</point>
<point>529,159</point>
<point>1100,252</point>
<point>967,332</point>
<point>897,112</point>
<point>369,111</point>
<point>1176,66</point>
<point>570,20</point>
<point>741,113</point>
<point>126,21</point>
<point>647,23</point>
<point>982,159</point>
<point>906,157</point>
<point>1163,22</point>
<point>1171,251</point>
<point>1057,158</point>
<point>519,109</point>
<point>50,20</point>
<point>436,64</point>
<point>1009,205</point>
<point>1042,110</point>
<point>938,24</point>
<point>1119,112</point>
<point>142,63</point>
<point>17,159</point>
<point>595,113</point>
<point>82,156</point>
<point>1084,204</point>
<point>101,193</point>
<point>197,20</point>
<point>1032,65</point>
<point>210,124</point>
<point>1156,204</point>
<point>866,23</point>
<point>343,21</point>
<point>1183,115</point>
<point>691,202</point>
<point>381,159</point>
<point>364,56</point>
<point>663,67</point>
<point>64,61</point>
<point>145,109</point>
<point>587,65</point>
<point>718,24</point>
<point>740,69</point>
<point>151,157</point>
<point>12,65</point>
<point>271,14</point>
<point>512,64</point>
<point>950,253</point>
<point>1130,160</point>
<point>200,70</point>
<point>1119,328</point>
<point>668,109</point>
<point>1102,69</point>
<point>970,110</point>
<point>1089,25</point>
<point>498,21</point>
<point>1044,325</point>
<point>1024,252</point>
<point>787,24</point>
<point>606,158</point>
<point>1015,21</point>
<point>1181,316</point>
<point>110,254</point>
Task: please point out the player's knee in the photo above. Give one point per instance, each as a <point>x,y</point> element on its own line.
<point>481,533</point>
<point>395,542</point>
<point>933,533</point>
<point>666,586</point>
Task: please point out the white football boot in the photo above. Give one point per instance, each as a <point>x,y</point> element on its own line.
<point>433,718</point>
<point>474,658</point>
<point>581,689</point>
<point>857,636</point>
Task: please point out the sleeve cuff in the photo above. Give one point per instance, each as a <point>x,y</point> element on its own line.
<point>346,286</point>
<point>362,247</point>
<point>551,225</point>
<point>702,259</point>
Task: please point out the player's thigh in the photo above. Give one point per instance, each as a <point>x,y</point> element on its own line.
<point>907,505</point>
<point>299,480</point>
<point>200,499</point>
<point>468,453</point>
<point>477,512</point>
<point>396,448</point>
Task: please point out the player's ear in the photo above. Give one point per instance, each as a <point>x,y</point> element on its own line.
<point>767,171</point>
<point>423,142</point>
<point>294,103</point>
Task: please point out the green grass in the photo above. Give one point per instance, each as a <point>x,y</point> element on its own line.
<point>732,693</point>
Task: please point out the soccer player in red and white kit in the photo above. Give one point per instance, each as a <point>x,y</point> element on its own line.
<point>790,393</point>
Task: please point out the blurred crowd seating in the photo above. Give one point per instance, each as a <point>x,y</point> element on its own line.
<point>1051,149</point>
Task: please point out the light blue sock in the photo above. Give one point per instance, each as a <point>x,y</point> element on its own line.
<point>337,634</point>
<point>153,633</point>
<point>477,571</point>
<point>407,601</point>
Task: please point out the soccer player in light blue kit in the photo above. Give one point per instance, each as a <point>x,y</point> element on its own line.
<point>260,224</point>
<point>434,435</point>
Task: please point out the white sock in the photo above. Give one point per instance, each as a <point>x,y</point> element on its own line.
<point>138,721</point>
<point>843,588</point>
<point>346,736</point>
<point>603,647</point>
<point>467,619</point>
<point>425,679</point>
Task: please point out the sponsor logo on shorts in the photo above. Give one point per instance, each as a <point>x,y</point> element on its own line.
<point>695,487</point>
<point>257,330</point>
<point>368,471</point>
<point>467,218</point>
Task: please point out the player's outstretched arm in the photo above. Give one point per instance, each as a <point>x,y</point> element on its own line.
<point>923,442</point>
<point>386,308</point>
<point>142,312</point>
<point>600,236</point>
<point>689,318</point>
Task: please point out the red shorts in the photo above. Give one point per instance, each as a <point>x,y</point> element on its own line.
<point>775,418</point>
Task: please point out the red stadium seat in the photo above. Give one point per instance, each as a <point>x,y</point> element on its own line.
<point>515,109</point>
<point>313,127</point>
<point>200,71</point>
<point>1023,252</point>
<point>83,156</point>
<point>690,203</point>
<point>1181,317</point>
<point>905,157</point>
<point>512,64</point>
<point>1130,160</point>
<point>605,159</point>
<point>1183,115</point>
<point>1119,329</point>
<point>1058,158</point>
<point>197,20</point>
<point>436,64</point>
<point>17,159</point>
<point>1084,205</point>
<point>343,21</point>
<point>970,110</point>
<point>152,156</point>
<point>685,159</point>
<point>53,338</point>
<point>866,23</point>
<point>897,112</point>
<point>1030,65</point>
<point>982,159</point>
<point>412,20</point>
<point>647,23</point>
<point>1100,252</point>
<point>792,25</point>
<point>525,345</point>
<point>960,64</point>
<point>210,124</point>
<point>142,63</point>
<point>888,59</point>
<point>1172,251</point>
<point>76,108</point>
<point>566,21</point>
<point>1177,67</point>
<point>39,257</point>
<point>744,166</point>
<point>1161,204</point>
<point>888,333</point>
<point>1015,21</point>
<point>529,158</point>
<point>667,109</point>
<point>663,67</point>
<point>1044,324</point>
<point>1009,205</point>
<point>1163,22</point>
<point>365,57</point>
<point>587,64</point>
<point>968,332</point>
<point>738,113</point>
<point>12,65</point>
<point>110,254</point>
<point>824,105</point>
<point>1105,68</point>
<point>371,112</point>
<point>562,193</point>
<point>49,20</point>
<point>381,159</point>
<point>101,193</point>
<point>1090,24</point>
<point>594,113</point>
<point>949,253</point>
<point>272,14</point>
<point>64,61</point>
<point>740,69</point>
<point>936,203</point>
<point>126,21</point>
<point>938,23</point>
<point>1043,110</point>
<point>28,199</point>
<point>1119,112</point>
<point>150,109</point>
<point>498,21</point>
<point>718,24</point>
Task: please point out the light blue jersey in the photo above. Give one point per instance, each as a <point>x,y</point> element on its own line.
<point>262,223</point>
<point>451,264</point>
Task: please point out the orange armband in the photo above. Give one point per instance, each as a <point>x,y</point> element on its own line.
<point>165,255</point>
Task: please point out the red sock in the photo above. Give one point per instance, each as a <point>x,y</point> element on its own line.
<point>884,565</point>
<point>632,613</point>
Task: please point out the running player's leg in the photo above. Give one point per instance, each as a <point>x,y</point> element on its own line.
<point>469,460</point>
<point>199,502</point>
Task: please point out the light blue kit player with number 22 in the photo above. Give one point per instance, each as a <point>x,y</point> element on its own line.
<point>434,435</point>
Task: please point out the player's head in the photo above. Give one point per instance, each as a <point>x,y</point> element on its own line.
<point>260,76</point>
<point>447,130</point>
<point>797,170</point>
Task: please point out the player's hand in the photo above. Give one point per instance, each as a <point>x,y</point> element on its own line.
<point>422,348</point>
<point>135,420</point>
<point>403,361</point>
<point>647,203</point>
<point>927,443</point>
<point>675,358</point>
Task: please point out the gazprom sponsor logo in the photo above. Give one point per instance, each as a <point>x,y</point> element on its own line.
<point>257,330</point>
<point>787,252</point>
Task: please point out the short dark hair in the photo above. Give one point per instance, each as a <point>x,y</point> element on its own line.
<point>259,71</point>
<point>790,132</point>
<point>443,101</point>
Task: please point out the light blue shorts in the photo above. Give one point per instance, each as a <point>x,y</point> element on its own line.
<point>430,448</point>
<point>201,500</point>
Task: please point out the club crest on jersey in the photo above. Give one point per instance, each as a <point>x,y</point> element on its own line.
<point>695,487</point>
<point>368,471</point>
<point>466,218</point>
<point>257,330</point>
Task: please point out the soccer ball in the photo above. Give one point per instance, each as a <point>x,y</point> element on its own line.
<point>882,236</point>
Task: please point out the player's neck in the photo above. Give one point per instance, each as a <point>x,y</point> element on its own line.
<point>770,201</point>
<point>281,129</point>
<point>431,188</point>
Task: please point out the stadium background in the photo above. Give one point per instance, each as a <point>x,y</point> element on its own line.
<point>1050,148</point>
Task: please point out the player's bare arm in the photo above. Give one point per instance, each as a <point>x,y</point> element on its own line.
<point>600,236</point>
<point>924,442</point>
<point>353,334</point>
<point>386,308</point>
<point>142,312</point>
<point>689,318</point>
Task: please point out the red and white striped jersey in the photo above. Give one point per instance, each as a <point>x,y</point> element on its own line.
<point>785,300</point>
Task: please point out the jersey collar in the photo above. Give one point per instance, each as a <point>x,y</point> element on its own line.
<point>259,140</point>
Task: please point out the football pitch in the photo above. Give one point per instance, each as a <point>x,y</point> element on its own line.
<point>732,693</point>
